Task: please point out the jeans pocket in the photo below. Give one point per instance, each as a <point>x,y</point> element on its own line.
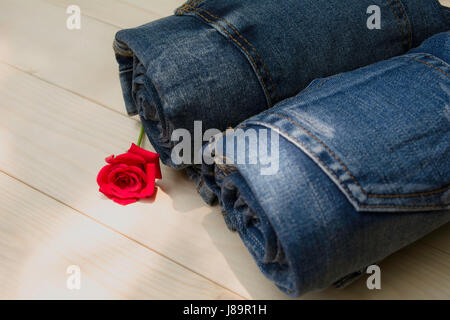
<point>380,133</point>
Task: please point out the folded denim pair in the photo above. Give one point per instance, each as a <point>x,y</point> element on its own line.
<point>221,62</point>
<point>364,170</point>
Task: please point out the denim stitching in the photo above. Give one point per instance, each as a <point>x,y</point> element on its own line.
<point>429,64</point>
<point>240,45</point>
<point>189,3</point>
<point>410,195</point>
<point>431,57</point>
<point>371,195</point>
<point>404,39</point>
<point>246,41</point>
<point>195,3</point>
<point>346,188</point>
<point>323,145</point>
<point>401,207</point>
<point>351,195</point>
<point>408,26</point>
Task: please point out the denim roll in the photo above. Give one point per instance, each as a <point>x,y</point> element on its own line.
<point>363,170</point>
<point>221,62</point>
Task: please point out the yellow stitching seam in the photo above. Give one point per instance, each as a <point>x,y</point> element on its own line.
<point>242,47</point>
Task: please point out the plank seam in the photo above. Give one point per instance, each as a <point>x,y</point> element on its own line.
<point>122,234</point>
<point>68,90</point>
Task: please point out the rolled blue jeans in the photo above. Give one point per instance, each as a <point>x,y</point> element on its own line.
<point>221,62</point>
<point>364,170</point>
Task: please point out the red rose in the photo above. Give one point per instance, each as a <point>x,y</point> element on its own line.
<point>130,176</point>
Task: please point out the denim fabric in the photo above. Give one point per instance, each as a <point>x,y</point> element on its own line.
<point>364,170</point>
<point>223,61</point>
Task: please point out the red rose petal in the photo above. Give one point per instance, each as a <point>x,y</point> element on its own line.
<point>101,177</point>
<point>148,156</point>
<point>135,183</point>
<point>106,190</point>
<point>121,192</point>
<point>109,159</point>
<point>125,202</point>
<point>115,170</point>
<point>125,193</point>
<point>128,158</point>
<point>124,169</point>
<point>150,168</point>
<point>129,176</point>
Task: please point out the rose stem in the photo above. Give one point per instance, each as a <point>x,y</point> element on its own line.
<point>141,135</point>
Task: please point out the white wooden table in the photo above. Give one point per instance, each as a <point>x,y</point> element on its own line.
<point>61,114</point>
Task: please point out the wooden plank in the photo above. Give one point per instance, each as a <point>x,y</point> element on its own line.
<point>54,55</point>
<point>116,13</point>
<point>440,239</point>
<point>34,37</point>
<point>40,238</point>
<point>417,272</point>
<point>79,60</point>
<point>56,142</point>
<point>167,7</point>
<point>161,7</point>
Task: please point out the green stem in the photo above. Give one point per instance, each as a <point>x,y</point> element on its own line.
<point>141,135</point>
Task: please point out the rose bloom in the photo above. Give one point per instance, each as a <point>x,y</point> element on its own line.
<point>130,176</point>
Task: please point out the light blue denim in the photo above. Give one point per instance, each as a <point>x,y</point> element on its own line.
<point>364,171</point>
<point>222,62</point>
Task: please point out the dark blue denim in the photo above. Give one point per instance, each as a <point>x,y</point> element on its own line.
<point>364,170</point>
<point>222,62</point>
